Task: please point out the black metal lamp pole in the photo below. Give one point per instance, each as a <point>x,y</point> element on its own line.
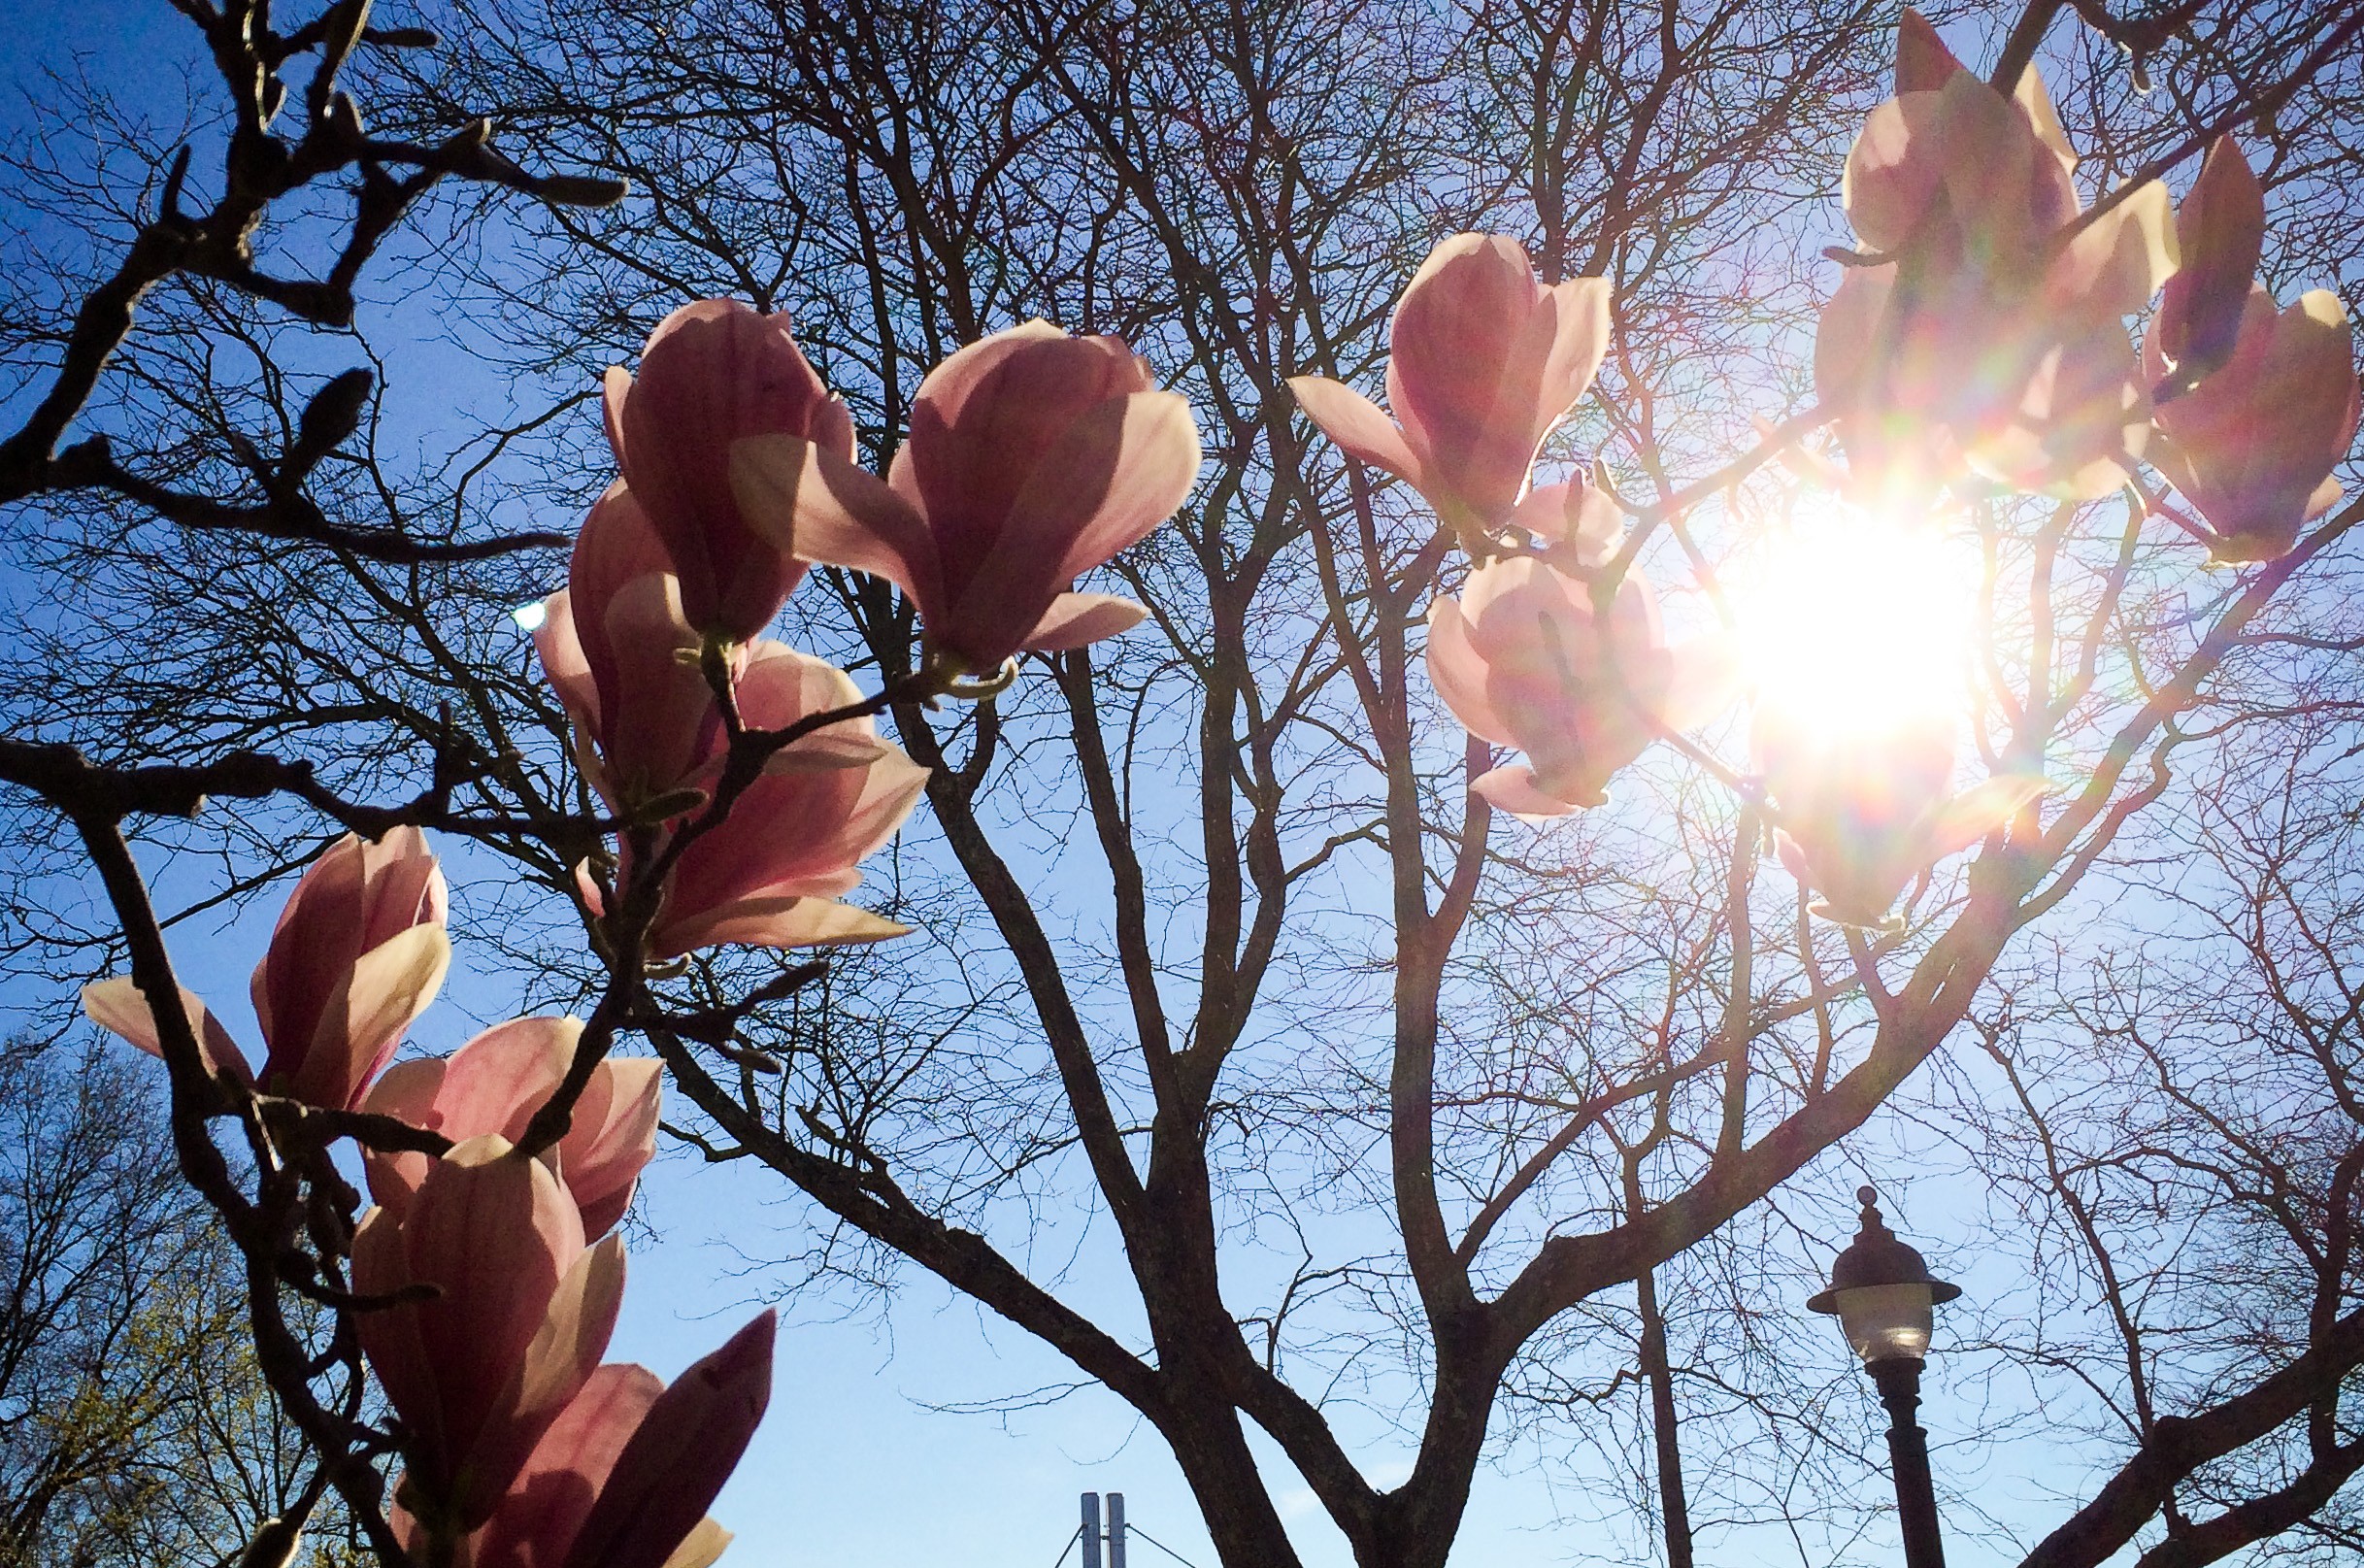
<point>1882,1291</point>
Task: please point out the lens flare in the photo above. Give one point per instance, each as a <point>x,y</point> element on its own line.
<point>1850,623</point>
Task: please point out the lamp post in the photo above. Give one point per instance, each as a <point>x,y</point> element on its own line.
<point>1882,1291</point>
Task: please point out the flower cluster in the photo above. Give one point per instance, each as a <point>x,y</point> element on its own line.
<point>1987,336</point>
<point>747,780</point>
<point>1981,342</point>
<point>1544,649</point>
<point>1033,458</point>
<point>491,1280</point>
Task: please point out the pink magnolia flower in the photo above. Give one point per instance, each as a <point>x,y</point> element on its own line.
<point>494,1084</point>
<point>1988,338</point>
<point>479,1369</point>
<point>1575,524</point>
<point>2258,406</point>
<point>623,1476</point>
<point>713,373</point>
<point>678,1456</point>
<point>2252,447</point>
<point>1033,457</point>
<point>771,871</point>
<point>1522,659</point>
<point>618,647</point>
<point>1484,360</point>
<point>359,954</point>
<point>2220,229</point>
<point>1863,812</point>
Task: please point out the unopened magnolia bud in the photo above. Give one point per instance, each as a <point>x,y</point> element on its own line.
<point>330,418</point>
<point>582,189</point>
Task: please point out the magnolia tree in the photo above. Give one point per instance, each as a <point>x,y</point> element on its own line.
<point>1474,626</point>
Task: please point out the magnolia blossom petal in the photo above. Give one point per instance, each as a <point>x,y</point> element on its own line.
<point>1485,361</point>
<point>565,663</point>
<point>332,1006</point>
<point>1923,62</point>
<point>2115,264</point>
<point>386,989</point>
<point>1889,181</point>
<point>981,427</point>
<point>1458,674</point>
<point>661,723</point>
<point>1114,473</point>
<point>1458,328</point>
<point>1516,790</point>
<point>678,1458</point>
<point>1356,424</point>
<point>1075,619</point>
<point>2220,228</point>
<point>1580,342</point>
<point>2254,445</point>
<point>118,1004</point>
<point>1979,810</point>
<point>701,1547</point>
<point>564,1352</point>
<point>538,1518</point>
<point>1579,519</point>
<point>788,921</point>
<point>491,1084</point>
<point>612,1140</point>
<point>713,373</point>
<point>808,499</point>
<point>1706,679</point>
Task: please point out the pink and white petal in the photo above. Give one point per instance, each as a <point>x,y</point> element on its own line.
<point>117,1005</point>
<point>2116,264</point>
<point>781,686</point>
<point>1515,789</point>
<point>701,1547</point>
<point>1459,675</point>
<point>2043,118</point>
<point>828,750</point>
<point>498,1236</point>
<point>1891,172</point>
<point>1923,62</point>
<point>1146,445</point>
<point>386,989</point>
<point>545,1505</point>
<point>1580,339</point>
<point>498,1080</point>
<point>888,795</point>
<point>558,1362</point>
<point>613,1138</point>
<point>946,389</point>
<point>1846,334</point>
<point>407,1093</point>
<point>1075,619</point>
<point>615,390</point>
<point>390,1337</point>
<point>1979,810</point>
<point>820,507</point>
<point>1113,475</point>
<point>678,1459</point>
<point>775,922</point>
<point>564,663</point>
<point>1356,424</point>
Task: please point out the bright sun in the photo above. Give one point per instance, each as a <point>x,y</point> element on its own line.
<point>1852,623</point>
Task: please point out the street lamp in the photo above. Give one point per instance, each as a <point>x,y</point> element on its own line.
<point>1882,1291</point>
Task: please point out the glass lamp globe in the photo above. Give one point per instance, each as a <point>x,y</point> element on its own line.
<point>1881,1292</point>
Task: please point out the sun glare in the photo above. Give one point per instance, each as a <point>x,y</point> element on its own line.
<point>1850,621</point>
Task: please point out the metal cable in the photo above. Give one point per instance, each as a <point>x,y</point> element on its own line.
<point>1134,1529</point>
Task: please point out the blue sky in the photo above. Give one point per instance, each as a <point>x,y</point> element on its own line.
<point>865,1457</point>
